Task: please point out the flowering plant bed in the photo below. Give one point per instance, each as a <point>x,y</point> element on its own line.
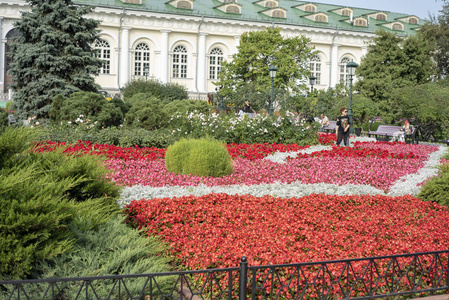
<point>216,230</point>
<point>368,163</point>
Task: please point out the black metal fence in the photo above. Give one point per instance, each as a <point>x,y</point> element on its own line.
<point>363,278</point>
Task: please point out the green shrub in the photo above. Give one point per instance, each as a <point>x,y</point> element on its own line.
<point>203,157</point>
<point>437,188</point>
<point>166,92</point>
<point>146,112</point>
<point>86,106</point>
<point>112,249</point>
<point>38,196</point>
<point>181,107</point>
<point>3,118</point>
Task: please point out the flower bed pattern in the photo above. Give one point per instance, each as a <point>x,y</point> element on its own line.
<point>217,229</point>
<point>375,164</point>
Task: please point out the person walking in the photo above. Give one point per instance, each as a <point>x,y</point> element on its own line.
<point>342,127</point>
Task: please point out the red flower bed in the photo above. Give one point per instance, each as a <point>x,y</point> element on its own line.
<point>259,151</point>
<point>327,138</point>
<point>248,151</point>
<point>110,151</point>
<point>216,230</point>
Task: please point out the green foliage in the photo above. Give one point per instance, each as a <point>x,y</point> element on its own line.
<point>363,109</point>
<point>166,92</point>
<point>437,188</point>
<point>393,62</point>
<point>52,55</point>
<point>256,52</point>
<point>424,105</point>
<point>112,249</point>
<point>38,197</point>
<point>118,136</point>
<point>436,32</point>
<point>202,157</point>
<point>287,129</point>
<point>88,106</point>
<point>184,106</point>
<point>3,118</point>
<point>146,112</point>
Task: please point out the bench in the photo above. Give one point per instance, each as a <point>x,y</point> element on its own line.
<point>331,127</point>
<point>385,132</point>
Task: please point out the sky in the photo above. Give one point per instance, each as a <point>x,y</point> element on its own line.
<point>419,8</point>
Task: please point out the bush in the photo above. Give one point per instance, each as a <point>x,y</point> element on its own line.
<point>285,129</point>
<point>437,189</point>
<point>118,136</point>
<point>203,157</point>
<point>38,199</point>
<point>86,106</point>
<point>112,249</point>
<point>166,92</point>
<point>182,107</point>
<point>146,112</point>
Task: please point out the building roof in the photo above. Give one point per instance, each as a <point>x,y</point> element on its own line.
<point>252,10</point>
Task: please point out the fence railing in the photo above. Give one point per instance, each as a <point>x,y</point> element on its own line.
<point>362,278</point>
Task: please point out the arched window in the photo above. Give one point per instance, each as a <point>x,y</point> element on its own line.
<point>180,62</point>
<point>103,52</point>
<point>184,5</point>
<point>278,14</point>
<point>315,68</point>
<point>270,4</point>
<point>346,12</point>
<point>141,59</point>
<point>215,59</point>
<point>413,20</point>
<point>233,9</point>
<point>310,8</point>
<point>397,26</point>
<point>321,18</point>
<point>344,74</point>
<point>360,22</point>
<point>381,17</point>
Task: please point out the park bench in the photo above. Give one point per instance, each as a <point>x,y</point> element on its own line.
<point>331,127</point>
<point>385,133</point>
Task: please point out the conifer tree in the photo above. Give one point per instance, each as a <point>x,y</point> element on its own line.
<point>393,62</point>
<point>53,55</point>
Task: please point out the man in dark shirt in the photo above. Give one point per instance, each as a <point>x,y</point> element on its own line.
<point>342,127</point>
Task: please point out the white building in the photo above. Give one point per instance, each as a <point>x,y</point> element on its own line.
<point>184,41</point>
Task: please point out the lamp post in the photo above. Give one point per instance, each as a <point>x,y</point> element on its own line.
<point>146,70</point>
<point>351,66</point>
<point>273,71</point>
<point>312,81</point>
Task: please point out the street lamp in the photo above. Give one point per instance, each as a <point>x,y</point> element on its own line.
<point>351,66</point>
<point>312,81</point>
<point>146,70</point>
<point>273,71</point>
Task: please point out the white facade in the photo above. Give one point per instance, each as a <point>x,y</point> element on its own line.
<point>187,49</point>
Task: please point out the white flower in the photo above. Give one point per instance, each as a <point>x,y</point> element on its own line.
<point>37,123</point>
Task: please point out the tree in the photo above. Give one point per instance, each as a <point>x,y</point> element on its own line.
<point>53,55</point>
<point>426,106</point>
<point>393,62</point>
<point>256,52</point>
<point>436,32</point>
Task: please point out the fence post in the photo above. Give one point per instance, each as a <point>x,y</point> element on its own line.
<point>243,278</point>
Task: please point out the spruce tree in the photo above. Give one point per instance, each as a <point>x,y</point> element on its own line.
<point>53,55</point>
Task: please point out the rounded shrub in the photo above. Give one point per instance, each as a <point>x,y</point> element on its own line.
<point>202,157</point>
